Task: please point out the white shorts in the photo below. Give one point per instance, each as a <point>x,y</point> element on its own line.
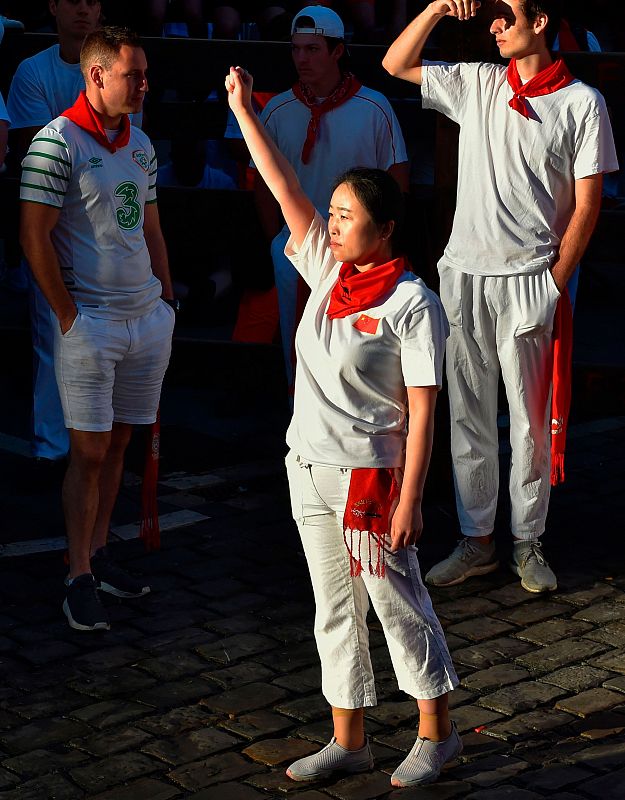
<point>111,370</point>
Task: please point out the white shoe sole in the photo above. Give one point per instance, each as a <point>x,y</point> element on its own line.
<point>470,573</point>
<point>99,626</point>
<point>531,589</point>
<point>109,589</point>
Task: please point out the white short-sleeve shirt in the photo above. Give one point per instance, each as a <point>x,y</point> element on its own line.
<point>99,237</point>
<point>516,176</point>
<point>362,132</point>
<point>350,387</point>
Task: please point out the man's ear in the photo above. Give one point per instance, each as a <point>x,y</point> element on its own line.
<point>52,7</point>
<point>540,23</point>
<point>338,51</point>
<point>95,73</point>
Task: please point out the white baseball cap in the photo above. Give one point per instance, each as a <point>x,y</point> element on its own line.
<point>326,22</point>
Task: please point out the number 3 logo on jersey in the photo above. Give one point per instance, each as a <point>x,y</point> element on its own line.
<point>129,213</point>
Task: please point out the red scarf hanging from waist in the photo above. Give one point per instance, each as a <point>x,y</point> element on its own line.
<point>83,114</point>
<point>346,89</point>
<point>355,291</point>
<point>561,390</point>
<point>555,76</point>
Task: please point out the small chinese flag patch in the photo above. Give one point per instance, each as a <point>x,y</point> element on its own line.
<point>366,324</point>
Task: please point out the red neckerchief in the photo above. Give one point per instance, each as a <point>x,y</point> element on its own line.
<point>346,89</point>
<point>561,391</point>
<point>555,76</point>
<point>354,291</point>
<point>371,495</point>
<point>83,114</point>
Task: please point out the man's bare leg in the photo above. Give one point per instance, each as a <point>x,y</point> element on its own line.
<point>110,479</point>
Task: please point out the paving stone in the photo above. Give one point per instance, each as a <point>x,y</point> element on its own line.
<point>602,613</point>
<point>525,725</point>
<point>112,742</point>
<point>308,680</point>
<point>614,660</point>
<point>512,594</point>
<point>576,678</point>
<point>277,784</point>
<point>45,787</point>
<point>366,786</point>
<point>503,793</point>
<point>608,787</point>
<point>612,634</point>
<point>40,762</point>
<point>109,713</point>
<point>177,721</point>
<point>8,720</point>
<point>616,683</point>
<point>491,770</point>
<point>394,714</point>
<point>171,666</point>
<point>46,652</point>
<point>257,724</point>
<point>42,734</point>
<point>8,780</point>
<point>47,703</point>
<point>304,655</point>
<point>190,746</point>
<point>524,696</point>
<point>236,791</point>
<point>184,639</point>
<point>602,756</point>
<point>273,752</point>
<point>488,654</point>
<point>464,608</point>
<point>481,628</point>
<point>442,790</point>
<point>244,699</point>
<point>584,597</point>
<point>144,789</point>
<point>552,630</point>
<point>176,693</point>
<point>458,697</point>
<point>108,658</point>
<point>306,709</point>
<point>230,626</point>
<point>495,677</point>
<point>533,611</point>
<point>600,726</point>
<point>215,769</point>
<point>471,717</point>
<point>551,778</point>
<point>476,745</point>
<point>239,675</point>
<point>116,683</point>
<point>567,651</point>
<point>113,771</point>
<point>400,740</point>
<point>321,731</point>
<point>590,702</point>
<point>232,648</point>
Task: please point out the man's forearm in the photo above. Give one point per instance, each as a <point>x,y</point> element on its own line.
<point>574,243</point>
<point>44,265</point>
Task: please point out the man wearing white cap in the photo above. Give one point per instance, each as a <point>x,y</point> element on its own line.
<point>327,123</point>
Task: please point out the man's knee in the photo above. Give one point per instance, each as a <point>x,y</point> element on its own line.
<point>89,449</point>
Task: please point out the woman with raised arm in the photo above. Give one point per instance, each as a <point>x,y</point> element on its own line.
<point>369,356</point>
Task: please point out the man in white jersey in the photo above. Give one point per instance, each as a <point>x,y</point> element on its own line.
<point>534,144</point>
<point>43,86</point>
<point>90,230</point>
<point>326,124</point>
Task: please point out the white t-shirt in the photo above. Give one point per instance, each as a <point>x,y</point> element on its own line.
<point>516,176</point>
<point>43,87</point>
<point>350,386</point>
<point>363,132</point>
<point>99,235</point>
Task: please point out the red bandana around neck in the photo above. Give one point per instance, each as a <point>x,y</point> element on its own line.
<point>372,493</point>
<point>561,391</point>
<point>356,291</point>
<point>346,89</point>
<point>83,114</point>
<point>555,76</point>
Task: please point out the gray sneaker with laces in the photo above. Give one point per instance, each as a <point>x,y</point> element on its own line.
<point>528,561</point>
<point>331,759</point>
<point>470,557</point>
<point>424,762</point>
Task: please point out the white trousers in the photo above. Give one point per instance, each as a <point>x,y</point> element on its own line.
<point>500,324</point>
<point>413,634</point>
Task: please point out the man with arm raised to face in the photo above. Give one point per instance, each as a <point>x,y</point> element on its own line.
<point>534,144</point>
<point>90,230</point>
<point>327,123</point>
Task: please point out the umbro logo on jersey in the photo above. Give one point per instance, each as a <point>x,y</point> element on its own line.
<point>140,157</point>
<point>95,162</point>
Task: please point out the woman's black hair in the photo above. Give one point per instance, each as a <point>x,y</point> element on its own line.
<point>379,193</point>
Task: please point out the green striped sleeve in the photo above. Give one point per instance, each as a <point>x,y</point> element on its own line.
<point>41,188</point>
<point>50,139</point>
<point>45,172</point>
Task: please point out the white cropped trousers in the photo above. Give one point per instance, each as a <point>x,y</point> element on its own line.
<point>500,324</point>
<point>413,634</point>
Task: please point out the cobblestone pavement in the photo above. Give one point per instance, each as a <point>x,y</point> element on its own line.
<point>209,686</point>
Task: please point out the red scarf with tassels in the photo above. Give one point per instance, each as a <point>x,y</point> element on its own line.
<point>83,114</point>
<point>355,291</point>
<point>150,531</point>
<point>372,493</point>
<point>561,391</point>
<point>555,76</point>
<point>346,89</point>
